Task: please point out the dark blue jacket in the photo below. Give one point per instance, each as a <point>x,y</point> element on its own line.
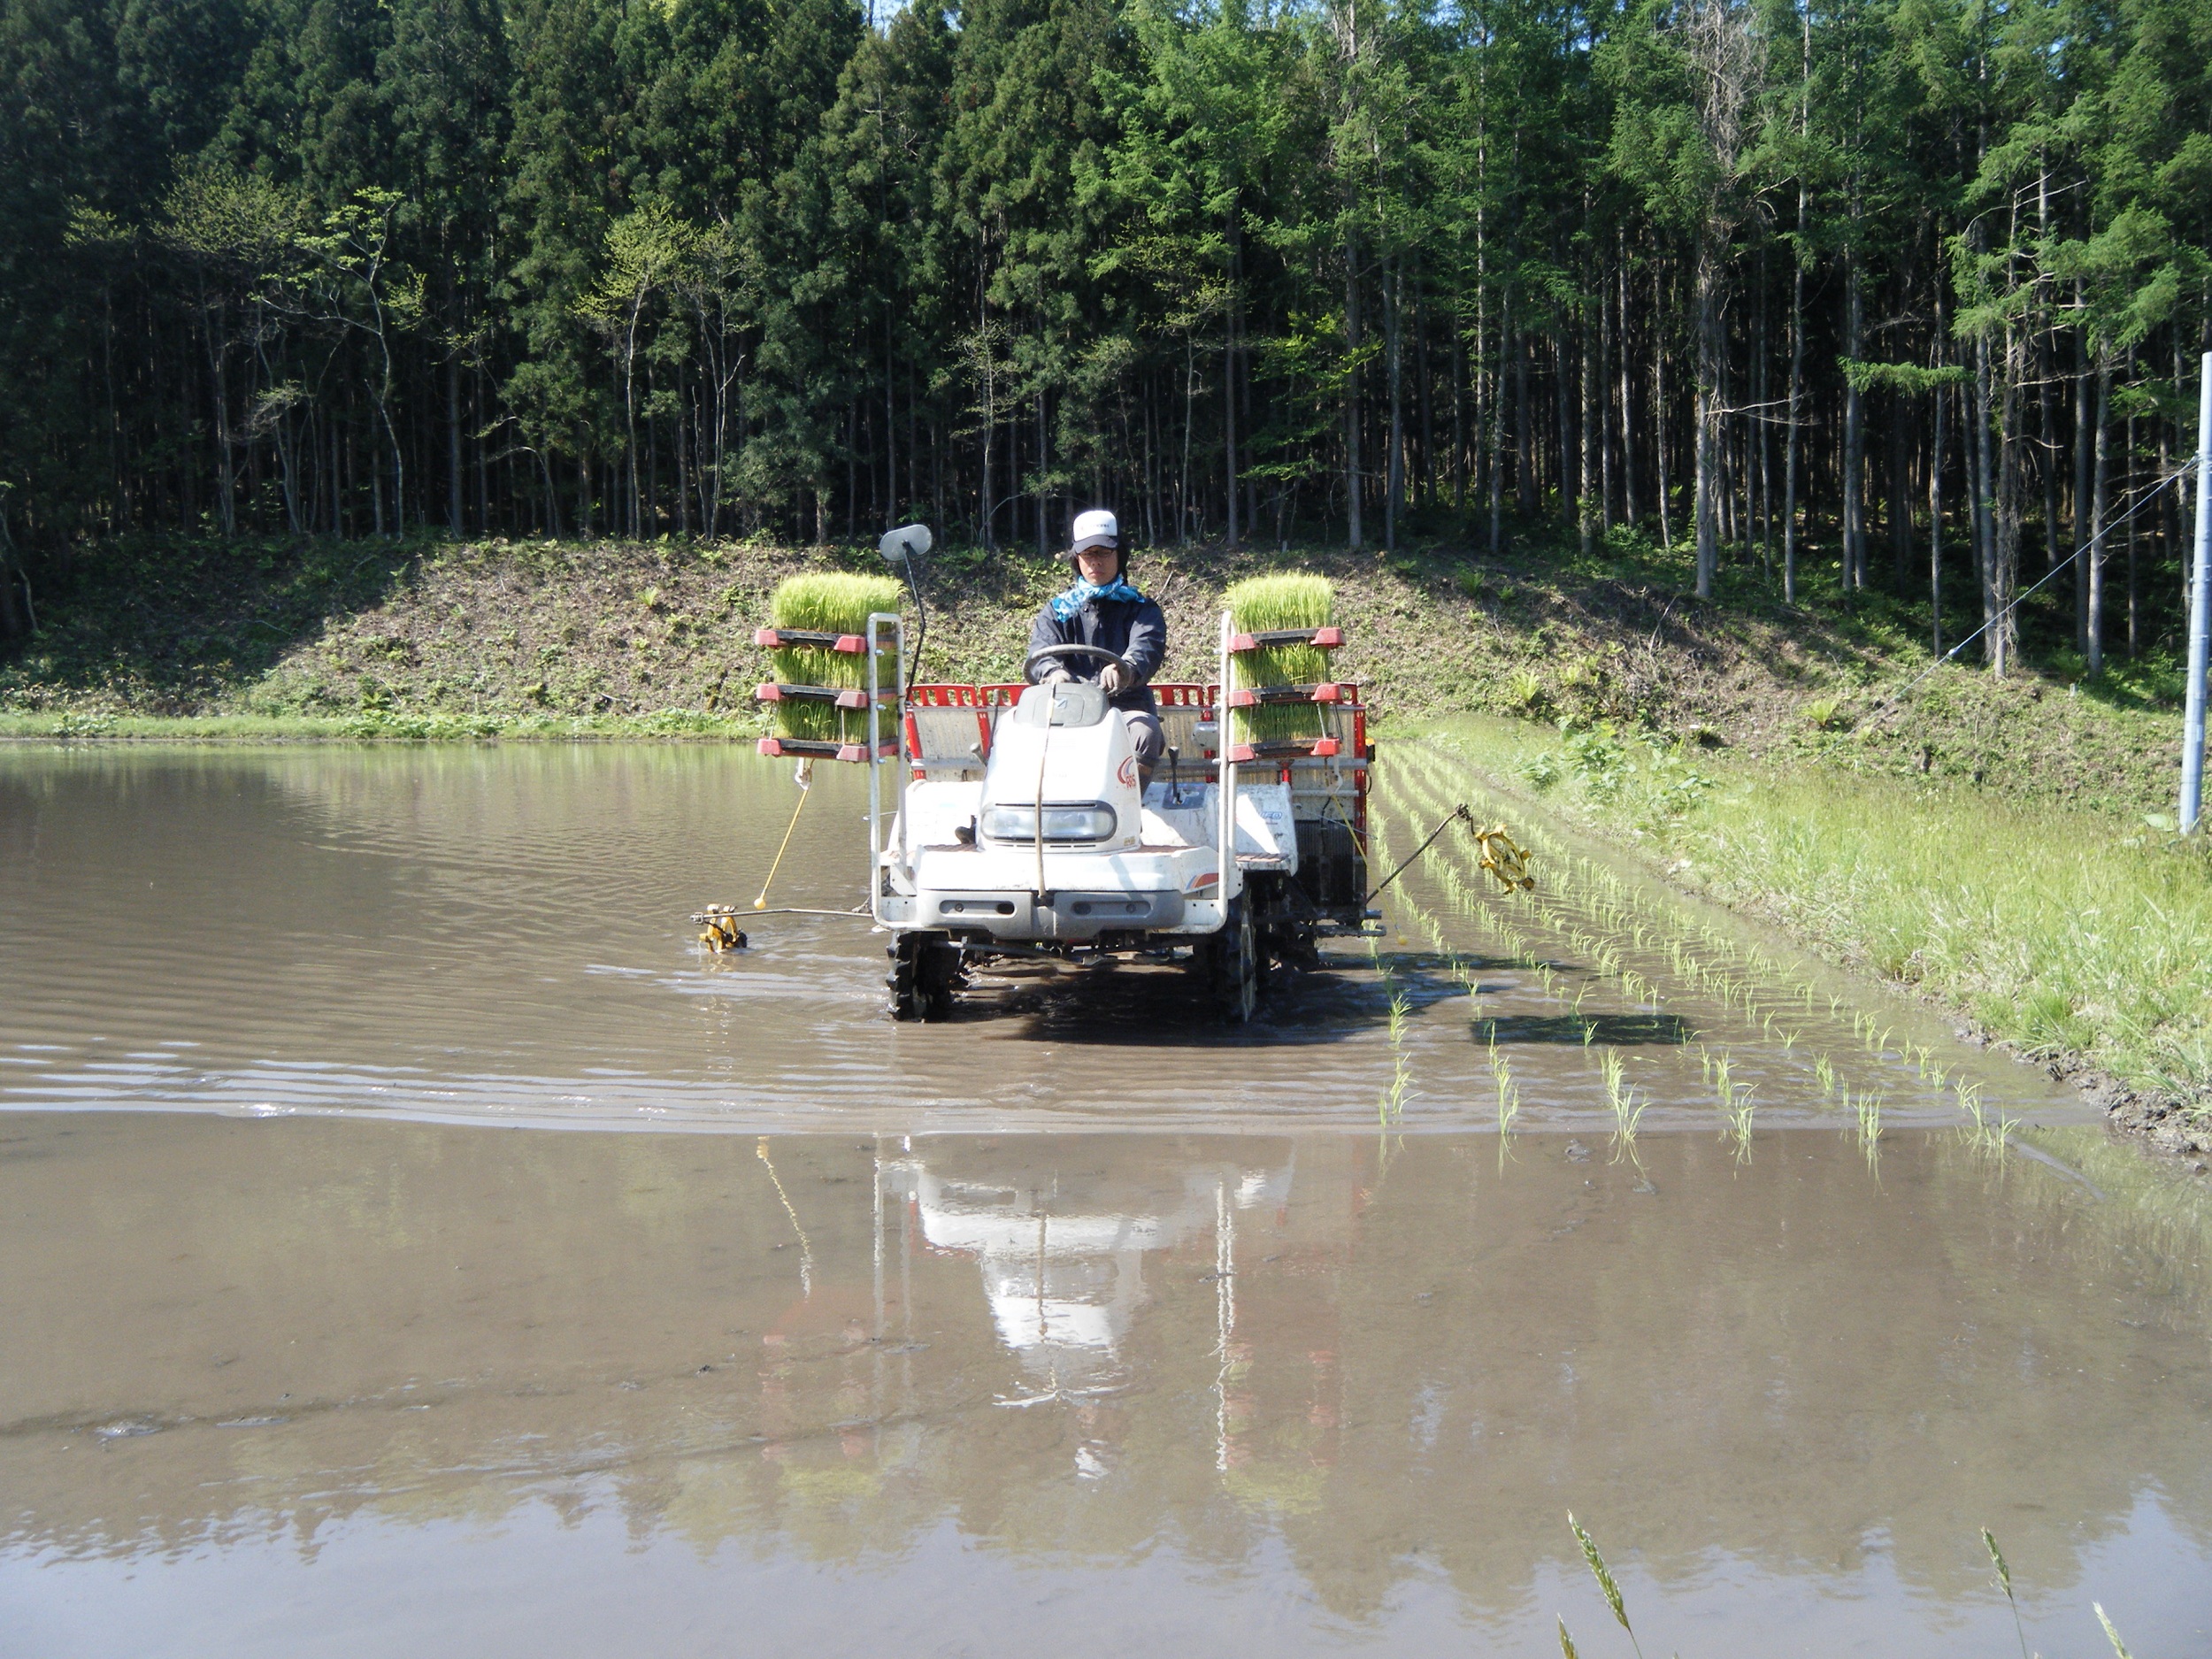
<point>1134,631</point>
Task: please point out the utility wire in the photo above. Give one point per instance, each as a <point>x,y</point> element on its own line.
<point>2149,495</point>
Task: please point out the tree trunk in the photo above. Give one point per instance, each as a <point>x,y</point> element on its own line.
<point>453,435</point>
<point>1628,401</point>
<point>2083,446</point>
<point>1984,546</point>
<point>1935,523</point>
<point>1659,407</point>
<point>11,619</point>
<point>1562,405</point>
<point>1797,391</point>
<point>2012,493</point>
<point>1587,471</point>
<point>1493,459</point>
<point>1709,416</point>
<point>1900,494</point>
<point>1524,441</point>
<point>1395,462</point>
<point>2093,544</point>
<point>1854,431</point>
<point>1353,536</point>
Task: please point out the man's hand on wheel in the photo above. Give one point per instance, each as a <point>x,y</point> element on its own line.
<point>1056,675</point>
<point>1115,678</point>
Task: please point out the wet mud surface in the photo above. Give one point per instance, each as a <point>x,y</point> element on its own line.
<point>1072,1326</point>
<point>481,935</point>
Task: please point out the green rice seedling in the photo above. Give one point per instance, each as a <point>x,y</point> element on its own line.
<point>1628,1111</point>
<point>1391,1107</point>
<point>1789,1041</point>
<point>1509,1091</point>
<point>1969,1099</point>
<point>1606,1585</point>
<point>1868,1108</point>
<point>1740,1111</point>
<point>1824,1074</point>
<point>1261,604</point>
<point>829,602</point>
<point>1719,1078</point>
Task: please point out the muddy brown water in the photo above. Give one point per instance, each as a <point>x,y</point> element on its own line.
<point>1075,1326</point>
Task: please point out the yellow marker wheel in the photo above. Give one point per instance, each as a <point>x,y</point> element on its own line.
<point>1505,858</point>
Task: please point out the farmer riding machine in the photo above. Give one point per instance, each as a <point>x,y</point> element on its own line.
<point>1009,820</point>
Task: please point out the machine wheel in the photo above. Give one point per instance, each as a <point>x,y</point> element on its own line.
<point>1234,958</point>
<point>926,970</point>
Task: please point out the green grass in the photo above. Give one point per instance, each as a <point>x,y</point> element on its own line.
<point>2056,928</point>
<point>828,601</point>
<point>1290,600</point>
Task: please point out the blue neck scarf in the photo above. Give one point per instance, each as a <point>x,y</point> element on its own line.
<point>1066,607</point>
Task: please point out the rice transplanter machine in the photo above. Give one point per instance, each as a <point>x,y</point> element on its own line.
<point>1007,820</point>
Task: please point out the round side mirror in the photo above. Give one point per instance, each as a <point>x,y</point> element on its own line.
<point>909,541</point>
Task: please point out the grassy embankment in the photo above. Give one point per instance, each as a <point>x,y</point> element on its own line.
<point>2081,940</point>
<point>1984,841</point>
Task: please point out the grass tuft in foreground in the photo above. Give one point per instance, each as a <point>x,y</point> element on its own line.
<point>828,601</point>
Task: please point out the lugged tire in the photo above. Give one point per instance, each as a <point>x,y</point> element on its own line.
<point>927,973</point>
<point>1235,965</point>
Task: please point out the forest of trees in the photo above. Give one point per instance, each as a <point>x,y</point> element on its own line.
<point>1865,293</point>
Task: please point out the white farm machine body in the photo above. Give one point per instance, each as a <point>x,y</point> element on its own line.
<point>1227,860</point>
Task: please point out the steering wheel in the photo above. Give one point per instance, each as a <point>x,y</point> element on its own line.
<point>1115,658</point>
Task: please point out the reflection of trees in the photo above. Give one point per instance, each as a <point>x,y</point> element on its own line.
<point>1777,1361</point>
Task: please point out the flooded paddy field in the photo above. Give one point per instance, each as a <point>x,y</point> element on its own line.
<point>1076,1325</point>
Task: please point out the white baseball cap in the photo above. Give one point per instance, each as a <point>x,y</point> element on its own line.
<point>1096,528</point>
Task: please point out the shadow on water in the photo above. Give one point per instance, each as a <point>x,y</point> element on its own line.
<point>1151,1005</point>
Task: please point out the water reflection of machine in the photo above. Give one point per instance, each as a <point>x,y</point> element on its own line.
<point>1062,1255</point>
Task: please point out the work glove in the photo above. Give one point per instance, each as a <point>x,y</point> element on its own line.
<point>1056,676</point>
<point>1116,679</point>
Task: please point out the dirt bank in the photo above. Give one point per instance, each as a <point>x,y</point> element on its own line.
<point>440,638</point>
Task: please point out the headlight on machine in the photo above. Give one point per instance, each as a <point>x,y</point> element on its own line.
<point>1093,823</point>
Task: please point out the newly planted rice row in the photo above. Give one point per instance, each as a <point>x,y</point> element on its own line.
<point>1423,785</point>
